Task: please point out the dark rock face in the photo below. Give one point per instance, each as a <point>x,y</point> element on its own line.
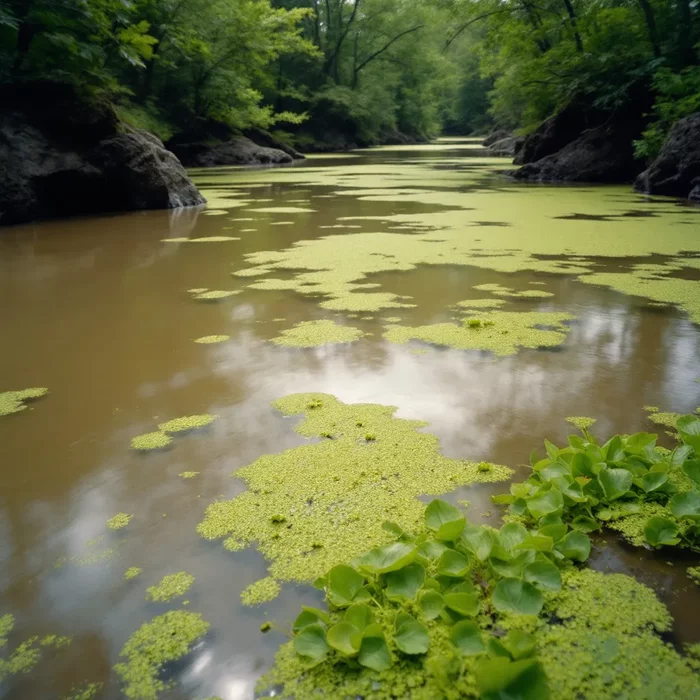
<point>238,150</point>
<point>60,156</point>
<point>266,139</point>
<point>602,154</point>
<point>495,136</point>
<point>505,147</point>
<point>676,170</point>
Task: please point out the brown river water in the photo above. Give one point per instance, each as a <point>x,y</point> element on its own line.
<point>97,310</point>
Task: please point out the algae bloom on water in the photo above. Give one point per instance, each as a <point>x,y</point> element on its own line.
<point>118,521</point>
<point>309,334</point>
<point>215,294</point>
<point>132,572</point>
<point>151,441</point>
<point>181,425</point>
<point>170,586</point>
<point>211,339</point>
<point>164,639</point>
<point>260,592</point>
<point>15,401</point>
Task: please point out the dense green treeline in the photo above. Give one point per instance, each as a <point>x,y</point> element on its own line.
<point>368,69</point>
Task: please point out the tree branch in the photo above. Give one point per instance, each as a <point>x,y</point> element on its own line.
<point>385,47</point>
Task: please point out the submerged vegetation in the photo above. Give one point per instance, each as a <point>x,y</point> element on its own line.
<point>311,507</point>
<point>15,401</point>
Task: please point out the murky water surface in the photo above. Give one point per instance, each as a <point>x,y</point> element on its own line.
<point>98,311</point>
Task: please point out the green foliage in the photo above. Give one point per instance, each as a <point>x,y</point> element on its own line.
<point>586,485</point>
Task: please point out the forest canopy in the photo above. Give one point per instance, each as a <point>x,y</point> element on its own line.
<point>372,68</point>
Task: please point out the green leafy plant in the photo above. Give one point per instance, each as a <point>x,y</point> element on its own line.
<point>585,486</point>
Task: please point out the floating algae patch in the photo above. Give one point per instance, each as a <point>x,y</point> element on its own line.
<point>24,657</point>
<point>118,521</point>
<point>15,401</point>
<point>164,639</point>
<point>583,423</point>
<point>151,441</point>
<point>499,332</point>
<point>204,239</point>
<point>188,475</point>
<point>283,210</point>
<point>501,291</point>
<point>84,691</point>
<point>212,339</point>
<point>196,290</point>
<point>261,591</point>
<point>132,572</point>
<point>694,574</point>
<point>170,586</point>
<point>664,418</point>
<point>215,294</point>
<point>479,304</point>
<point>317,505</point>
<point>185,423</point>
<point>308,334</point>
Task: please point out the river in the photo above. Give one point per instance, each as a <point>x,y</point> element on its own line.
<point>98,311</point>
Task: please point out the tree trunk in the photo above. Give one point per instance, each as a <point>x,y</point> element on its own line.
<point>574,25</point>
<point>685,38</point>
<point>651,26</point>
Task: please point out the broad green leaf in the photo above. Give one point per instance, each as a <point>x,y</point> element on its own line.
<point>411,637</point>
<point>432,604</point>
<point>639,442</point>
<point>374,652</point>
<point>652,481</point>
<point>613,449</point>
<point>575,546</point>
<point>479,540</point>
<point>389,557</point>
<point>466,636</point>
<point>552,450</point>
<point>431,550</point>
<point>691,469</point>
<point>661,531</point>
<point>513,568</point>
<point>342,585</point>
<point>511,535</point>
<point>550,519</point>
<point>514,595</point>
<point>394,529</point>
<point>503,499</point>
<point>495,648</point>
<point>686,505</point>
<point>502,679</point>
<point>541,504</point>
<point>681,454</point>
<point>543,574</point>
<point>689,430</point>
<point>520,644</point>
<point>466,604</point>
<point>615,482</point>
<point>444,519</point>
<point>465,586</point>
<point>553,471</point>
<point>581,465</point>
<point>576,441</point>
<point>518,507</point>
<point>520,490</point>
<point>555,532</point>
<point>539,542</point>
<point>310,616</point>
<point>310,642</point>
<point>359,615</point>
<point>583,523</point>
<point>345,638</point>
<point>453,564</point>
<point>406,582</point>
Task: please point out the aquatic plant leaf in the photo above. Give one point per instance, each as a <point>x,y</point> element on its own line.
<point>445,519</point>
<point>406,582</point>
<point>686,505</point>
<point>466,604</point>
<point>653,481</point>
<point>502,679</point>
<point>374,652</point>
<point>660,531</point>
<point>555,531</point>
<point>513,567</point>
<point>390,557</point>
<point>582,465</point>
<point>546,502</point>
<point>345,638</point>
<point>432,604</point>
<point>479,540</point>
<point>466,636</point>
<point>310,616</point>
<point>543,574</point>
<point>583,523</point>
<point>515,595</point>
<point>511,535</point>
<point>359,615</point>
<point>681,454</point>
<point>689,429</point>
<point>691,469</point>
<point>311,643</point>
<point>411,636</point>
<point>520,644</point>
<point>453,564</point>
<point>431,550</point>
<point>575,546</point>
<point>342,585</point>
<point>541,543</point>
<point>615,482</point>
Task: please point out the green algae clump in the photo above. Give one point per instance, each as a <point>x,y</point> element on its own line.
<point>188,475</point>
<point>261,591</point>
<point>14,401</point>
<point>85,691</point>
<point>500,332</point>
<point>118,521</point>
<point>132,572</point>
<point>309,334</point>
<point>334,494</point>
<point>185,423</point>
<point>151,441</point>
<point>215,294</point>
<point>210,339</point>
<point>170,586</point>
<point>583,423</point>
<point>694,574</point>
<point>204,239</point>
<point>164,639</point>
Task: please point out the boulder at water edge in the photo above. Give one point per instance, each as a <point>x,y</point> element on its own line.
<point>62,155</point>
<point>676,170</point>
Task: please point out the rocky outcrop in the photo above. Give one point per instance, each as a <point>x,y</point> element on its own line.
<point>676,170</point>
<point>265,138</point>
<point>597,155</point>
<point>506,147</point>
<point>495,136</point>
<point>238,150</point>
<point>61,155</point>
